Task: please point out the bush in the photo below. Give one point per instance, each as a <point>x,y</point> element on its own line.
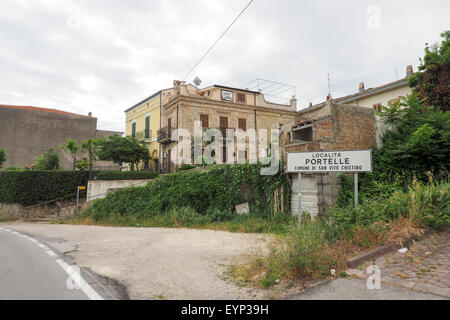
<point>428,204</point>
<point>185,167</point>
<point>214,192</point>
<point>124,175</point>
<point>34,187</point>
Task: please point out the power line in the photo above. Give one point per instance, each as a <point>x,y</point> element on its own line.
<point>217,41</point>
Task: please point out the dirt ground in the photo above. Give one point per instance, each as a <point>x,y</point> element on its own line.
<point>155,263</point>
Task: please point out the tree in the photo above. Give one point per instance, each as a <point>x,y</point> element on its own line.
<point>73,148</point>
<point>83,164</point>
<point>91,147</point>
<point>122,150</point>
<point>2,157</point>
<point>418,141</point>
<point>49,160</point>
<point>432,82</point>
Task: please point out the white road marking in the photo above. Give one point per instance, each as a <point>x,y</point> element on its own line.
<point>69,269</point>
<point>51,253</point>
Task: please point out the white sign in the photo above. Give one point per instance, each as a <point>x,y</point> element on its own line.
<point>330,161</point>
<point>227,95</point>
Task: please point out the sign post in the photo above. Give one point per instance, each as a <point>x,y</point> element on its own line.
<point>356,190</point>
<point>355,161</point>
<point>299,201</point>
<point>78,197</point>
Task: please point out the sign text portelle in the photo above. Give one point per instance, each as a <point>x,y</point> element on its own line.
<point>330,161</point>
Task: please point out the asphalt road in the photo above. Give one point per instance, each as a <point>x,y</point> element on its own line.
<point>29,272</point>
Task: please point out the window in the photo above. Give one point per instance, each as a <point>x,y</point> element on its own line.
<point>204,118</point>
<point>242,124</point>
<point>303,134</point>
<point>147,127</point>
<point>133,129</point>
<point>223,122</point>
<point>241,98</point>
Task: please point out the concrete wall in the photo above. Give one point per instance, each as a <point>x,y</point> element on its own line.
<point>26,134</point>
<point>98,189</point>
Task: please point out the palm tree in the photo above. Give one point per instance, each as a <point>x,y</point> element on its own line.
<point>73,148</point>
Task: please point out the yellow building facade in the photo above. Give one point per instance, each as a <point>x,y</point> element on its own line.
<point>143,123</point>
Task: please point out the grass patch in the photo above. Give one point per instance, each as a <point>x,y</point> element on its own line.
<point>188,218</point>
<point>326,243</point>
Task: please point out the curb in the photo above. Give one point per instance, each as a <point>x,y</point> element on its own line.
<point>372,255</point>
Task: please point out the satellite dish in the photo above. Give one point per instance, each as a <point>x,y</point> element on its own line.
<point>197,81</point>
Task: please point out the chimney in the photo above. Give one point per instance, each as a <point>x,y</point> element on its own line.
<point>409,71</point>
<point>90,114</point>
<point>310,104</point>
<point>361,88</point>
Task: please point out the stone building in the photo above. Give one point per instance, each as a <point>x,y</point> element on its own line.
<point>384,95</point>
<point>26,132</point>
<point>326,127</point>
<point>218,107</point>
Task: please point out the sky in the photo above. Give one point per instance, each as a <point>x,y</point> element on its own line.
<point>104,56</point>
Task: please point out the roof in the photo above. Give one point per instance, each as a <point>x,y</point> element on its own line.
<point>367,93</point>
<point>43,110</point>
<point>146,99</point>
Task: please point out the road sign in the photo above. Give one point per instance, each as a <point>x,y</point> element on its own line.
<point>355,161</point>
<point>81,188</point>
<point>330,161</point>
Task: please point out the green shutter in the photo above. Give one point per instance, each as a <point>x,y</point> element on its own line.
<point>147,127</point>
<point>133,130</point>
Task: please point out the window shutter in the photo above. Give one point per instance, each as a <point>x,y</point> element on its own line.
<point>133,130</point>
<point>242,124</point>
<point>204,118</point>
<point>223,122</point>
<point>147,127</point>
<point>241,97</point>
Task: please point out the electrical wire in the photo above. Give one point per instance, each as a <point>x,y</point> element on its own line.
<point>217,41</point>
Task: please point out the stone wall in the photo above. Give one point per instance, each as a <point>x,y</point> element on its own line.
<point>335,127</point>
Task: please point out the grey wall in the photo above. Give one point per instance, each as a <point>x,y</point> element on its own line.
<point>26,134</point>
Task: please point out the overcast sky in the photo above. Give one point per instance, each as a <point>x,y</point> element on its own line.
<point>106,55</point>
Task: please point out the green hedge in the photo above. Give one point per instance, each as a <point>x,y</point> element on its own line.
<point>218,189</point>
<point>124,175</point>
<point>34,187</point>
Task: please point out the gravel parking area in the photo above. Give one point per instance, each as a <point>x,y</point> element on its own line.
<point>154,263</point>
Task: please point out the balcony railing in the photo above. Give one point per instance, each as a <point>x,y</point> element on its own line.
<point>165,135</point>
<point>144,136</point>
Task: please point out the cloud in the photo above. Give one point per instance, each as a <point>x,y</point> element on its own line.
<point>103,56</point>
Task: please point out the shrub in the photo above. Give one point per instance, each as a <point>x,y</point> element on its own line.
<point>49,160</point>
<point>214,192</point>
<point>428,204</point>
<point>185,167</point>
<point>34,187</point>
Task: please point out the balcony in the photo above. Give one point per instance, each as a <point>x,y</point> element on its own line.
<point>165,135</point>
<point>144,136</point>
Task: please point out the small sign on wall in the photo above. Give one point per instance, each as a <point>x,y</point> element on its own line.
<point>227,95</point>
